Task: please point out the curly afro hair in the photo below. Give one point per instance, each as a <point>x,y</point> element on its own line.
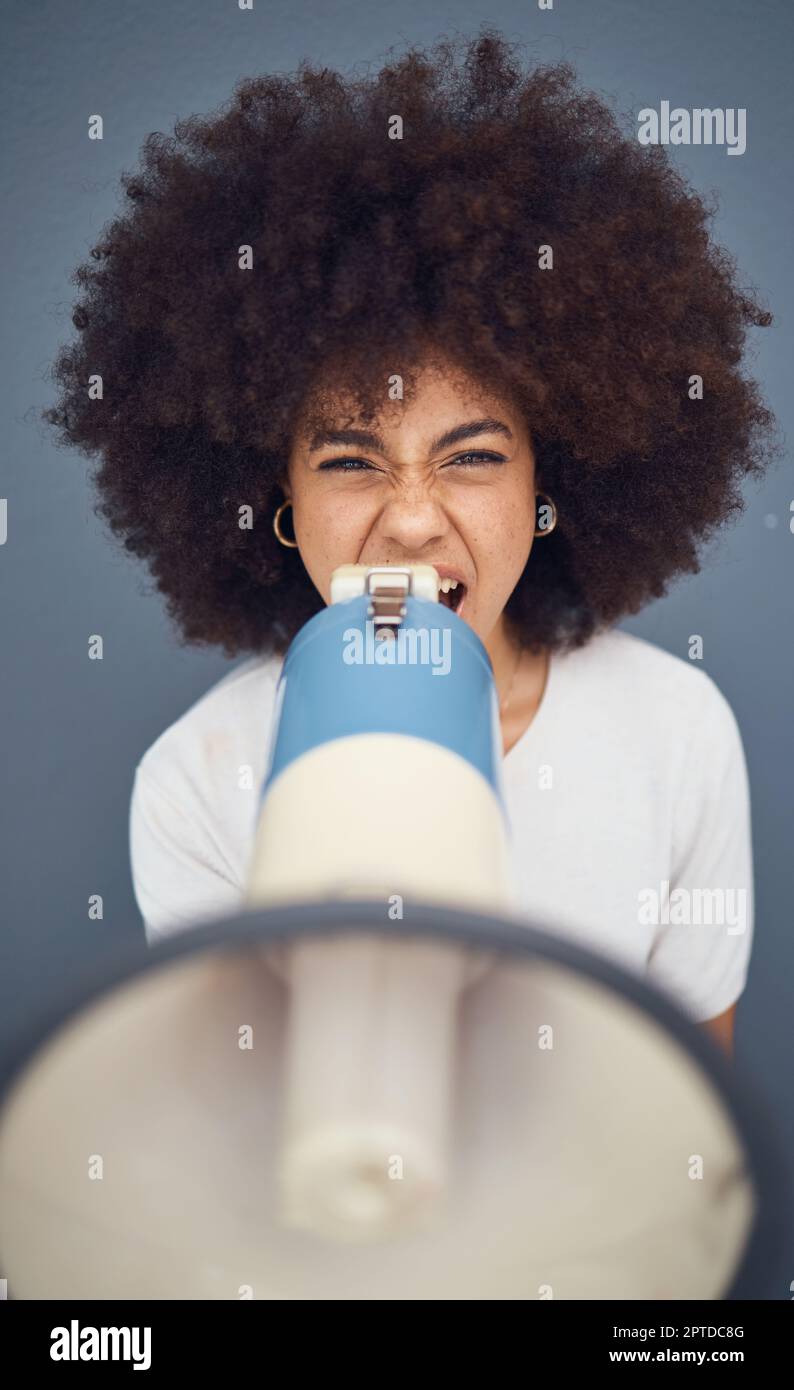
<point>366,247</point>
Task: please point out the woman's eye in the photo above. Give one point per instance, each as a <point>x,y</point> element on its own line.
<point>347,465</point>
<point>476,458</point>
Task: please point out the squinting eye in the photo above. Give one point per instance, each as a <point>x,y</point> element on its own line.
<point>478,457</point>
<point>356,465</point>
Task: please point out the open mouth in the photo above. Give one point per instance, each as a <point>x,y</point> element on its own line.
<point>452,593</point>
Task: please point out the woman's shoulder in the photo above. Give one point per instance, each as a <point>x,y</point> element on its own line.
<point>228,723</point>
<point>646,683</point>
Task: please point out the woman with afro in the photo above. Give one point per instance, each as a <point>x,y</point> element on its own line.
<point>448,313</point>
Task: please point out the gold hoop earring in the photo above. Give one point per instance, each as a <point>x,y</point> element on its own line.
<point>549,506</point>
<point>277,526</point>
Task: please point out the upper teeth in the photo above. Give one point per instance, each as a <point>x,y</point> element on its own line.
<point>447,584</point>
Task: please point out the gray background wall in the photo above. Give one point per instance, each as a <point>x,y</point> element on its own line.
<point>72,729</point>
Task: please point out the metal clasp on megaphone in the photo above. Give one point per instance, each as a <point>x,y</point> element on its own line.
<point>387,587</point>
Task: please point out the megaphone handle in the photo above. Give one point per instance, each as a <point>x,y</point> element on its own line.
<point>370,1052</point>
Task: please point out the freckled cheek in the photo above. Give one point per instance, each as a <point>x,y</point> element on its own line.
<point>501,529</point>
<point>330,534</point>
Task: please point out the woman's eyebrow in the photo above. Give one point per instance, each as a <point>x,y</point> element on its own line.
<point>469,431</point>
<point>365,439</point>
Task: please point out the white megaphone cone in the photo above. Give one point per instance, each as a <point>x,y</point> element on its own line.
<point>383,785</point>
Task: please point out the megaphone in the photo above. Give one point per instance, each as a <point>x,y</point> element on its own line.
<point>383,782</point>
<point>381,1081</point>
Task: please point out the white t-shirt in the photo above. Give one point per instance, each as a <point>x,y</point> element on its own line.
<point>627,796</point>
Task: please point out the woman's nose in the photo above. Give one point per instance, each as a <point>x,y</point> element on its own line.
<point>412,519</point>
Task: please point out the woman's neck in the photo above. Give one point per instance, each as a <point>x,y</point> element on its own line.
<point>520,677</point>
<point>505,653</point>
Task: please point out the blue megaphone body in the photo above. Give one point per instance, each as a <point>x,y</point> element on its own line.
<point>384,771</point>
